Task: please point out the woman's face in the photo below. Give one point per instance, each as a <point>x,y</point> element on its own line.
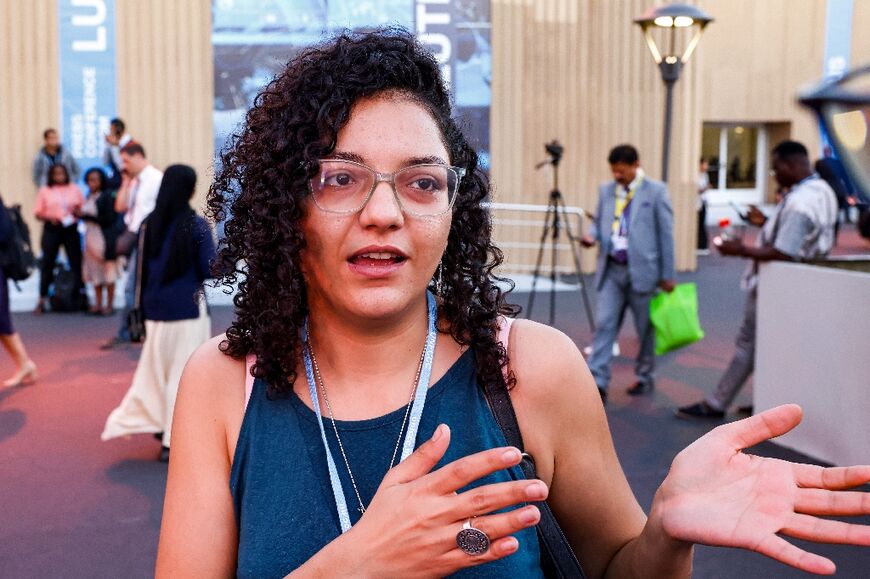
<point>57,176</point>
<point>377,263</point>
<point>93,182</point>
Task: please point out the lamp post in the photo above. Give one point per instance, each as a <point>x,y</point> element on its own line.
<point>670,19</point>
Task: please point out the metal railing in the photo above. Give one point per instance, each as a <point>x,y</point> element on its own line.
<point>530,247</point>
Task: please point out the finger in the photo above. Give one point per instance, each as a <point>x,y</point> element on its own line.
<point>459,473</point>
<point>819,530</point>
<point>498,549</point>
<point>825,502</point>
<point>504,524</point>
<point>488,498</point>
<point>768,424</point>
<point>778,548</point>
<point>839,477</point>
<point>422,460</point>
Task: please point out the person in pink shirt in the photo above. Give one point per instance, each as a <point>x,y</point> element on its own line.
<point>58,206</point>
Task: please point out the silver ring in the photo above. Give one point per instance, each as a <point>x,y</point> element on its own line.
<point>471,540</point>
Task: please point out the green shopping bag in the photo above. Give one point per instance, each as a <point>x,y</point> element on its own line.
<point>674,315</point>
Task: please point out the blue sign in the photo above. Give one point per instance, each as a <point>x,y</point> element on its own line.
<point>87,83</point>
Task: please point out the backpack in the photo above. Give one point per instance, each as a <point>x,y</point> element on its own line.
<point>16,256</point>
<point>66,295</point>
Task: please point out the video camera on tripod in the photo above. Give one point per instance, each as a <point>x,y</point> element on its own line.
<point>555,150</point>
<point>555,221</point>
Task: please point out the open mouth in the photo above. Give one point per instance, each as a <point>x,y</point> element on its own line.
<point>377,258</point>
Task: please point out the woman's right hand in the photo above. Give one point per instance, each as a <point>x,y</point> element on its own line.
<point>410,527</point>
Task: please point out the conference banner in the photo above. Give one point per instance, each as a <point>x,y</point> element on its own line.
<point>253,40</point>
<point>87,83</point>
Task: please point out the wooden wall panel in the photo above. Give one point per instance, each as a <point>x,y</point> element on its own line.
<point>165,81</point>
<point>860,39</point>
<point>165,85</point>
<point>580,72</point>
<point>29,91</point>
<point>780,50</point>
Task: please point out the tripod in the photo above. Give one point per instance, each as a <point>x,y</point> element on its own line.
<point>555,220</point>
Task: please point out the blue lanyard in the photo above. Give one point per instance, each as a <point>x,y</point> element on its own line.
<point>413,420</point>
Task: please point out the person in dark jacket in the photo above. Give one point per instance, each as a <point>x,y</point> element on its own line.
<point>25,369</point>
<point>100,267</point>
<point>178,250</point>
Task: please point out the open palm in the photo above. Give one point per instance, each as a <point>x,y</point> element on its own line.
<point>715,494</point>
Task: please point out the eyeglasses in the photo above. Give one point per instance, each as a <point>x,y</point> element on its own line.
<point>843,108</point>
<point>425,190</point>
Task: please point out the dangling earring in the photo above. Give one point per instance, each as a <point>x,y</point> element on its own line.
<point>439,282</point>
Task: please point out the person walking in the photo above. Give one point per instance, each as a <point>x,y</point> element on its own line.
<point>135,200</point>
<point>341,426</point>
<point>634,230</point>
<point>58,206</point>
<point>801,227</point>
<point>25,368</point>
<point>100,267</point>
<point>178,250</point>
<point>50,154</point>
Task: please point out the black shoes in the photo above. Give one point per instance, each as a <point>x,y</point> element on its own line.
<point>164,454</point>
<point>699,411</point>
<point>639,388</point>
<point>603,393</point>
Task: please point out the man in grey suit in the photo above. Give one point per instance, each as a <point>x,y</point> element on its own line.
<point>634,229</point>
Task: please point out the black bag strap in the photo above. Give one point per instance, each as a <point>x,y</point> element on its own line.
<point>557,558</point>
<point>140,257</point>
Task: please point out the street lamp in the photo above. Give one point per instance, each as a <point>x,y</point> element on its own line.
<point>670,18</point>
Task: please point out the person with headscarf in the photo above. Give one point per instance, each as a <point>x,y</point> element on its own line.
<point>177,252</point>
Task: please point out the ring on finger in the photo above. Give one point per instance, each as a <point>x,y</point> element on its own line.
<point>471,540</point>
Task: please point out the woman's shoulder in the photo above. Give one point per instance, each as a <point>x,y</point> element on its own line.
<point>212,374</point>
<point>548,366</point>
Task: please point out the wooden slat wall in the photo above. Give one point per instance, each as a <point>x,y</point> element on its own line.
<point>29,85</point>
<point>580,72</point>
<point>166,81</point>
<point>165,85</point>
<point>860,39</point>
<point>780,50</point>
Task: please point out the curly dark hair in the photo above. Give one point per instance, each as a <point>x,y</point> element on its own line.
<point>262,184</point>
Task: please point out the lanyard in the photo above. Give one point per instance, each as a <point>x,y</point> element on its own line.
<point>413,419</point>
<point>622,203</point>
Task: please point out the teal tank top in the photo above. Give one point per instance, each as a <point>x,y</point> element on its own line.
<point>279,480</point>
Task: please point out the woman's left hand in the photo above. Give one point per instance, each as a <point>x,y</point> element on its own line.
<point>715,494</point>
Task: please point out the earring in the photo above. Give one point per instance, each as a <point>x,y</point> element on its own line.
<point>439,282</point>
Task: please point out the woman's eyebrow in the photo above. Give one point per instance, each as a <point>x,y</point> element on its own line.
<point>425,160</point>
<point>432,159</point>
<point>347,156</point>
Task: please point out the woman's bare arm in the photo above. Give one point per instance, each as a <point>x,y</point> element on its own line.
<point>198,537</point>
<point>564,427</point>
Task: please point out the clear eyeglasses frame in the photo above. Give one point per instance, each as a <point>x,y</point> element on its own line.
<point>345,187</point>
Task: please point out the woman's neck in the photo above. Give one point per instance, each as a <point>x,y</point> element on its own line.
<point>367,366</point>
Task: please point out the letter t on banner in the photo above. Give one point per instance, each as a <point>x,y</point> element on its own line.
<point>87,77</point>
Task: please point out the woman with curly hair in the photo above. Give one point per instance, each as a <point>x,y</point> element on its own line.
<point>368,323</point>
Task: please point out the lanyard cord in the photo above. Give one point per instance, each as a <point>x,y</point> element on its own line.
<point>413,422</point>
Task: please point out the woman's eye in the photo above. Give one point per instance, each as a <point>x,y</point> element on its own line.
<point>337,180</point>
<point>426,184</point>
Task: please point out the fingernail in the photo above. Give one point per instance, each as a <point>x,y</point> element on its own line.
<point>509,545</point>
<point>529,516</point>
<point>438,432</point>
<point>511,456</point>
<point>536,490</point>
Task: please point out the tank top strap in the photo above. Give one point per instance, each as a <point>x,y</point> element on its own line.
<point>250,360</point>
<point>504,336</point>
